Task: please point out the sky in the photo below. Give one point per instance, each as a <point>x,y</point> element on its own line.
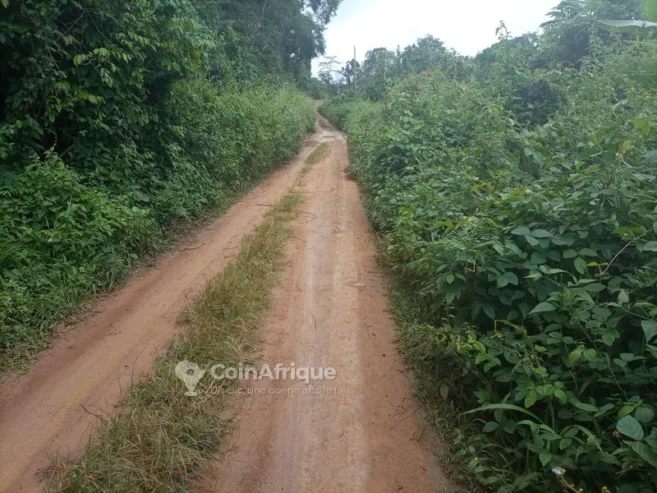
<point>468,26</point>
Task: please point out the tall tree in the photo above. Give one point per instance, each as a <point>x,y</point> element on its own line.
<point>377,72</point>
<point>270,36</point>
<point>573,23</point>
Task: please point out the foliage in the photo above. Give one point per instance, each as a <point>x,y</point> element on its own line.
<point>531,245</point>
<point>267,37</point>
<point>337,110</point>
<point>119,120</point>
<point>575,30</point>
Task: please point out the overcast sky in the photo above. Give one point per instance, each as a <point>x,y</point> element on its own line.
<point>465,25</point>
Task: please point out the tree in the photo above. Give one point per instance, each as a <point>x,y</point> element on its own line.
<point>573,23</point>
<point>329,74</point>
<point>266,37</point>
<point>426,53</point>
<point>377,71</point>
<point>351,73</point>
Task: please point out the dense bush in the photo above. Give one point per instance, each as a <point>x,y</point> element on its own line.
<point>118,119</point>
<point>337,110</point>
<point>532,246</point>
<point>63,240</point>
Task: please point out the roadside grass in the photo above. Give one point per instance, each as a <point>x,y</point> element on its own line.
<point>162,438</point>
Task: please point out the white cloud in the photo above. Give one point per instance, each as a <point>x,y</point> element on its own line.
<point>465,25</point>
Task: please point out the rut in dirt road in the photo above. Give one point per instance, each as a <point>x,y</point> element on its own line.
<point>52,408</point>
<point>359,432</point>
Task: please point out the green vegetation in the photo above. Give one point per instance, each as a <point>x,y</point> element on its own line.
<point>517,194</point>
<point>119,120</point>
<point>318,154</point>
<point>163,438</point>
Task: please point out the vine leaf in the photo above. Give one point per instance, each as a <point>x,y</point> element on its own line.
<point>630,427</point>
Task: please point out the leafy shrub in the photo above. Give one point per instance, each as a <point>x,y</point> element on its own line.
<point>62,240</point>
<point>118,120</point>
<point>533,250</point>
<point>337,111</point>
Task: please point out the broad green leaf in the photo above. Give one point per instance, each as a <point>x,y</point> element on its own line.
<point>644,451</point>
<point>530,398</point>
<point>490,427</point>
<point>609,337</point>
<point>623,297</point>
<point>564,240</point>
<point>580,265</point>
<point>588,252</point>
<point>531,240</point>
<point>644,414</point>
<point>642,124</point>
<point>595,287</point>
<point>541,233</point>
<point>545,457</point>
<point>521,231</point>
<point>649,329</point>
<point>489,310</point>
<point>506,279</point>
<point>590,354</point>
<point>651,246</point>
<point>625,410</point>
<point>543,307</point>
<point>583,406</point>
<point>561,395</point>
<point>575,355</point>
<point>630,427</point>
<point>570,253</point>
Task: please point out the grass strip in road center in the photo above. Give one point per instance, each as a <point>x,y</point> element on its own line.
<point>162,438</point>
<point>318,154</point>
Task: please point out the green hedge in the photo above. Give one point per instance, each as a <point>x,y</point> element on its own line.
<point>118,120</point>
<point>532,253</point>
<point>64,240</point>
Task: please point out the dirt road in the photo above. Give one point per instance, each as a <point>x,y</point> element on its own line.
<point>357,433</point>
<point>360,432</point>
<point>86,371</point>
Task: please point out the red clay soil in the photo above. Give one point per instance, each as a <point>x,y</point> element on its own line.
<point>360,432</point>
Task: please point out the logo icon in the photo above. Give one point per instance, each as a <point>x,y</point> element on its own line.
<point>190,373</point>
